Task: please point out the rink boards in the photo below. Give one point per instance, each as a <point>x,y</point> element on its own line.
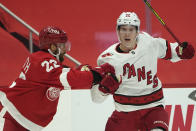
<point>76,111</point>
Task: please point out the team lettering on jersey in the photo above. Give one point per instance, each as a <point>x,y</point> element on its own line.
<point>141,74</point>
<point>25,69</point>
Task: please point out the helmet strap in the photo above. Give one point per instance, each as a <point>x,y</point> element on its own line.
<point>56,55</point>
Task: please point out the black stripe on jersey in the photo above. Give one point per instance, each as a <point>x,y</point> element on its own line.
<point>168,51</point>
<point>139,100</point>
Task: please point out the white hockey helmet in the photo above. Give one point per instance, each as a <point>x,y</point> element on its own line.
<point>128,18</point>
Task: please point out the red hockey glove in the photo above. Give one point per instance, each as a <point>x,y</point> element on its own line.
<point>100,72</point>
<point>185,50</point>
<point>110,84</point>
<point>84,67</point>
<point>105,69</point>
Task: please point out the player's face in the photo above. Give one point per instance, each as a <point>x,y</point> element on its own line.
<point>61,46</point>
<point>127,35</point>
<point>64,47</point>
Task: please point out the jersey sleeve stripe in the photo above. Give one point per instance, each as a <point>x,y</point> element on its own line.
<point>168,52</point>
<point>63,78</point>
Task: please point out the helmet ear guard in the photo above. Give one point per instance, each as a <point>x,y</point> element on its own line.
<point>128,18</point>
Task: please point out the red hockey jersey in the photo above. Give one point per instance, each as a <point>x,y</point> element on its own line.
<point>32,99</point>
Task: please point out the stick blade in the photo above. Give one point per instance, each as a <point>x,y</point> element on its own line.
<point>192,95</point>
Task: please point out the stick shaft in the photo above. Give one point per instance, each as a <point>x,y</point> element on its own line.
<point>161,20</point>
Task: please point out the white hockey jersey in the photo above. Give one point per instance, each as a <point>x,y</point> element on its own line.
<point>140,86</point>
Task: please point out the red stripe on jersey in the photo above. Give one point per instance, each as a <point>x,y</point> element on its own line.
<point>168,52</point>
<point>139,100</point>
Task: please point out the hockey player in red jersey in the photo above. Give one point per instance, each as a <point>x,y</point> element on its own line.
<point>31,101</point>
<point>139,99</point>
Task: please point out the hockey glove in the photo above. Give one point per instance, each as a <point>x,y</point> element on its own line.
<point>84,67</point>
<point>100,72</point>
<point>185,50</point>
<point>109,84</point>
<point>104,69</point>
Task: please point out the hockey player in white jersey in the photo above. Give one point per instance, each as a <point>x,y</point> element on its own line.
<point>139,99</point>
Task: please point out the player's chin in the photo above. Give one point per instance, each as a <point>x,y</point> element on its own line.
<point>63,53</point>
<point>61,58</point>
<point>127,43</point>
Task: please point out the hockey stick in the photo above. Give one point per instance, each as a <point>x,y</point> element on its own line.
<point>192,95</point>
<point>164,24</point>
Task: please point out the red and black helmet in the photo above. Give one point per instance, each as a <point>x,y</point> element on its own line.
<point>51,35</point>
